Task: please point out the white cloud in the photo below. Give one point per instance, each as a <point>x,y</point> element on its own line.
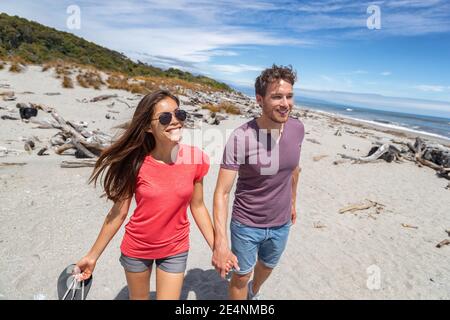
<point>235,68</point>
<point>327,6</point>
<point>432,88</point>
<point>378,101</point>
<point>224,53</point>
<point>315,22</point>
<point>348,18</point>
<point>189,34</point>
<point>412,3</point>
<point>187,44</point>
<point>249,83</point>
<point>359,71</point>
<point>192,31</point>
<point>327,78</point>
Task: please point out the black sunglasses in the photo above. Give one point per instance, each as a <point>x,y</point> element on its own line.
<point>166,117</point>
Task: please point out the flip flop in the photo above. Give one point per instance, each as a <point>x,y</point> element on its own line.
<point>69,288</point>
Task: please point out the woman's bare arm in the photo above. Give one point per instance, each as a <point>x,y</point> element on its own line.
<point>112,224</point>
<point>201,214</point>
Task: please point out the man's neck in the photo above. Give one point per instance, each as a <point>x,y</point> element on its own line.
<point>268,124</point>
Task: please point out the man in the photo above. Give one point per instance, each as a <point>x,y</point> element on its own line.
<point>265,154</point>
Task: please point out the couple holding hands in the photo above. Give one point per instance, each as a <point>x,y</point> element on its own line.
<point>149,163</point>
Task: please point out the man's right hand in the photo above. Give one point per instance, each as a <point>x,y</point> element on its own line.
<point>222,258</point>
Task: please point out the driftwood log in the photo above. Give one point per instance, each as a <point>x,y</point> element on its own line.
<point>431,155</point>
<point>320,157</point>
<point>8,117</point>
<point>445,242</point>
<point>405,225</point>
<point>72,135</point>
<point>9,164</point>
<point>42,152</point>
<point>78,163</point>
<point>374,154</point>
<point>76,137</point>
<point>61,148</point>
<point>103,97</point>
<point>129,106</point>
<point>434,156</point>
<point>44,124</point>
<point>362,206</point>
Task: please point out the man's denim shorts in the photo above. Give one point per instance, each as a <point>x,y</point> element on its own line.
<point>264,244</point>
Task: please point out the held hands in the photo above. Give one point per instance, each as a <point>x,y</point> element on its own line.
<point>224,260</point>
<point>228,266</point>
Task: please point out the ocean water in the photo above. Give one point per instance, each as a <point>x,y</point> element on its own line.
<point>434,126</point>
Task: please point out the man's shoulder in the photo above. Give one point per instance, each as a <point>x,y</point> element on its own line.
<point>295,122</point>
<point>296,128</point>
<point>249,125</point>
<point>245,129</point>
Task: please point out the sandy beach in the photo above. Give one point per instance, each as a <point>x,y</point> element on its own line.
<point>50,216</point>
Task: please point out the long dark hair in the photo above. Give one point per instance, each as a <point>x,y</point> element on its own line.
<point>119,164</point>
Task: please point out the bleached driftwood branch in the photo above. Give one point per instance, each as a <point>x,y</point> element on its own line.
<point>375,156</point>
<point>78,163</point>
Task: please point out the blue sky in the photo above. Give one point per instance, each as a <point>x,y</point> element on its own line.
<point>328,42</point>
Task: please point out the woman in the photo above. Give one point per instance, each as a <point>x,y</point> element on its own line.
<point>165,177</point>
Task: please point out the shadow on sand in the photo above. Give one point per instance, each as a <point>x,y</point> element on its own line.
<point>205,285</point>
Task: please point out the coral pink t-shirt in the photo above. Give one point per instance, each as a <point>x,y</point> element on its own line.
<point>159,226</point>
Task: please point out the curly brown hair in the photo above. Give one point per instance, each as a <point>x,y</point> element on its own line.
<point>275,73</point>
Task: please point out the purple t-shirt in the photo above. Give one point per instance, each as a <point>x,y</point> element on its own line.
<point>263,195</point>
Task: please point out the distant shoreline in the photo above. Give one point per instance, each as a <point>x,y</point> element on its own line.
<point>386,128</point>
<point>391,128</point>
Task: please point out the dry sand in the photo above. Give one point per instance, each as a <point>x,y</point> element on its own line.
<point>49,216</point>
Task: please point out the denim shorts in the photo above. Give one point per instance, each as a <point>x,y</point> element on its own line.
<point>264,244</point>
<point>173,264</point>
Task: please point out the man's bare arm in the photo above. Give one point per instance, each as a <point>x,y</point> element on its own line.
<point>222,251</point>
<point>295,177</point>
